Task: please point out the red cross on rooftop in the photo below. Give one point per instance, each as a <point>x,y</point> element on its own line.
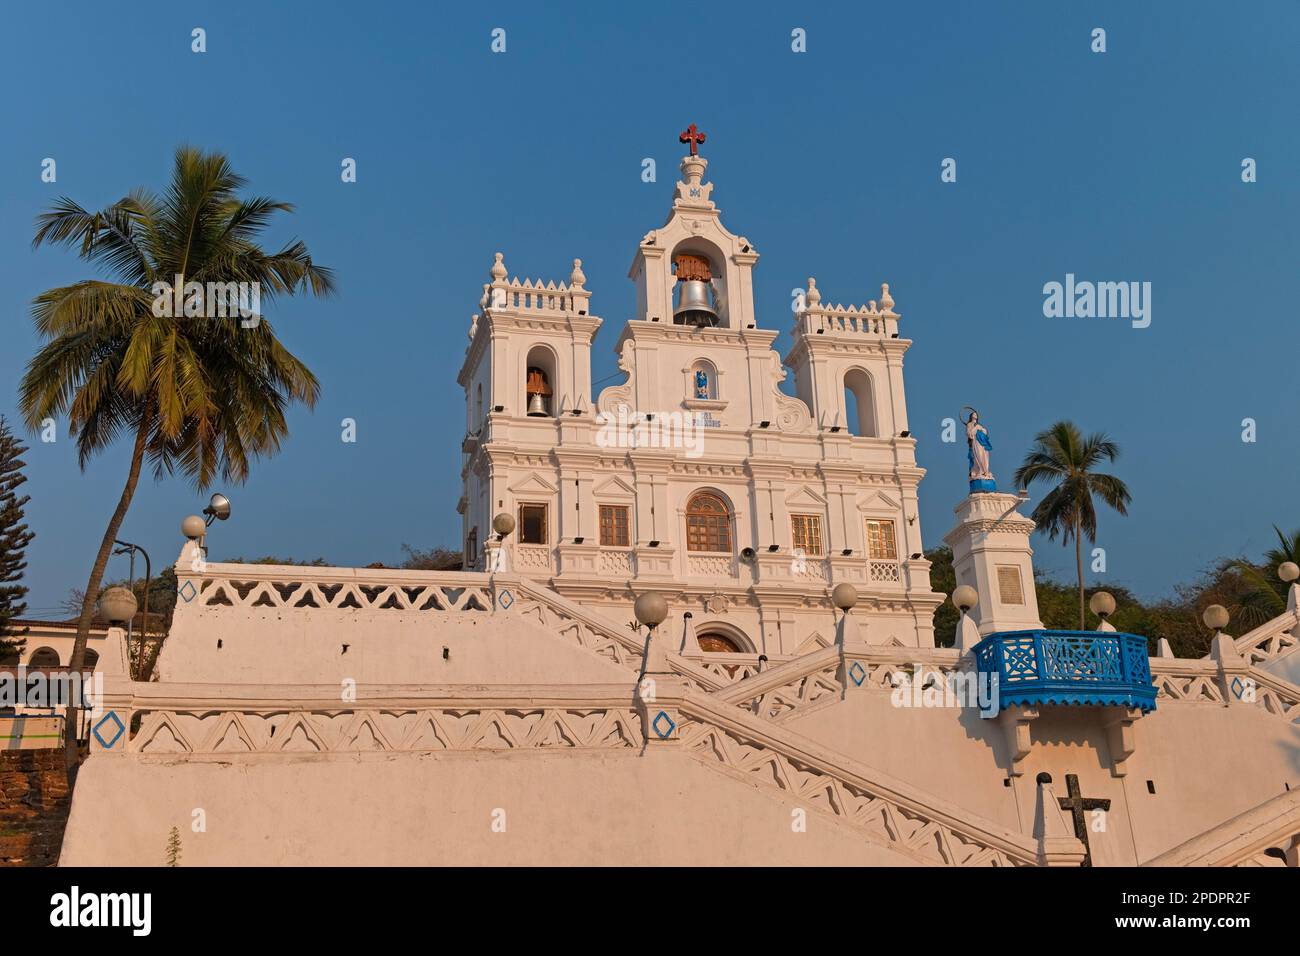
<point>693,136</point>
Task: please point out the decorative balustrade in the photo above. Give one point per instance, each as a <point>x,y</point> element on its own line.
<point>730,667</point>
<point>870,319</point>
<point>883,572</point>
<point>1271,639</point>
<point>1186,680</point>
<point>816,569</point>
<point>219,586</point>
<point>532,558</point>
<point>550,298</point>
<point>806,684</point>
<point>851,320</point>
<point>529,295</point>
<point>711,565</point>
<point>616,562</point>
<point>201,719</point>
<point>1067,667</point>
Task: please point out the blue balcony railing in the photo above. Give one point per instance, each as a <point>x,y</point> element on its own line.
<point>1067,667</point>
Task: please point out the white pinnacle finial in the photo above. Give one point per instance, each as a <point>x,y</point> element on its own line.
<point>499,268</point>
<point>813,297</point>
<point>886,300</point>
<point>577,278</point>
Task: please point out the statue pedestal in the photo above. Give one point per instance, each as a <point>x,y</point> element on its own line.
<point>991,553</point>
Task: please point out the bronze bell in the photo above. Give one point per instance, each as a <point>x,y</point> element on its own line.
<point>538,389</point>
<point>695,305</point>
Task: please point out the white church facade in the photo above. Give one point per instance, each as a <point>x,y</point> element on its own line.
<point>697,475</point>
<point>781,698</point>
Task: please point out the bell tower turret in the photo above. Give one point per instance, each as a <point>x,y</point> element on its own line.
<point>527,382</point>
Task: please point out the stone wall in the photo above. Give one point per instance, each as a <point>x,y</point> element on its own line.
<point>34,803</point>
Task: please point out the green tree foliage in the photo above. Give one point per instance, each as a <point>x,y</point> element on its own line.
<point>271,559</point>
<point>944,580</point>
<point>14,539</point>
<point>1265,594</point>
<point>433,559</point>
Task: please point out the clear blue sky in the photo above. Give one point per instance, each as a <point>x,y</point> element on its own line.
<point>1116,166</point>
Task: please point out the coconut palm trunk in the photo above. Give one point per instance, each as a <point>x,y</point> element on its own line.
<point>73,713</point>
<point>1078,561</point>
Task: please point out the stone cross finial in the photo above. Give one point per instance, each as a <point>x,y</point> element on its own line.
<point>693,136</point>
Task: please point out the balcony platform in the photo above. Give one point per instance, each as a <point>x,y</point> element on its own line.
<point>1038,667</point>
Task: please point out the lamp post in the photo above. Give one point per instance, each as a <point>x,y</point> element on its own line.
<point>128,548</point>
<point>118,605</point>
<point>845,597</point>
<point>965,598</point>
<point>503,524</point>
<point>1289,571</point>
<point>1102,604</point>
<point>1215,617</point>
<point>195,527</point>
<point>650,610</point>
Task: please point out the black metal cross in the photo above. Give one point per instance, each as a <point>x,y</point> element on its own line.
<point>1078,805</point>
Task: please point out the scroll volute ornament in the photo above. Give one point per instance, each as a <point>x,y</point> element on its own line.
<point>537,382</point>
<point>692,268</point>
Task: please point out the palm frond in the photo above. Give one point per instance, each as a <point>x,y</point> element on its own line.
<point>212,395</point>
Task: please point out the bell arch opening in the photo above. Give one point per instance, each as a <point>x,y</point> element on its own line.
<point>699,293</point>
<point>860,404</point>
<point>539,382</point>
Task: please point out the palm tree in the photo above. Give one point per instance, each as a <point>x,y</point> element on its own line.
<point>1062,456</point>
<point>1265,598</point>
<point>198,395</point>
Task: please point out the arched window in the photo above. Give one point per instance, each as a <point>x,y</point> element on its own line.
<point>860,404</point>
<point>91,659</point>
<point>539,382</point>
<point>43,657</point>
<point>713,642</point>
<point>708,524</point>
